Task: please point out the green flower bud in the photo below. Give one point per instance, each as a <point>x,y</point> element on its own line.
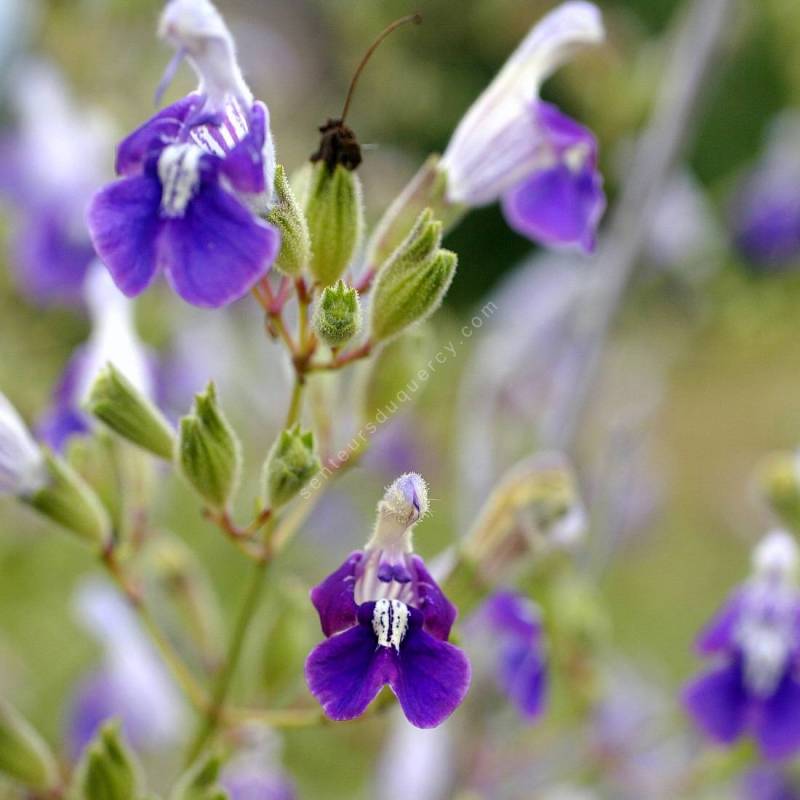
<point>337,318</point>
<point>24,756</point>
<point>335,214</point>
<point>199,782</point>
<point>107,770</point>
<point>413,281</point>
<point>289,218</point>
<point>116,402</point>
<point>778,478</point>
<point>68,500</point>
<point>291,464</point>
<point>208,452</point>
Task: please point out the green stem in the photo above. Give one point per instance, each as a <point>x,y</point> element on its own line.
<point>295,404</point>
<point>222,686</point>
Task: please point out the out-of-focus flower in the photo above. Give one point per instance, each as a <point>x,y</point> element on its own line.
<point>767,783</point>
<point>49,179</point>
<point>513,146</point>
<point>195,178</point>
<point>253,772</point>
<point>113,340</point>
<point>513,623</point>
<point>766,210</point>
<point>22,464</point>
<point>132,684</point>
<point>431,753</point>
<point>388,623</point>
<point>755,635</point>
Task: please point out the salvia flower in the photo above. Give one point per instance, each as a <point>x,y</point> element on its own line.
<point>387,623</point>
<point>113,340</point>
<point>22,465</point>
<point>48,180</point>
<point>514,625</point>
<point>132,684</point>
<point>766,209</point>
<point>756,638</point>
<point>514,147</point>
<point>195,177</point>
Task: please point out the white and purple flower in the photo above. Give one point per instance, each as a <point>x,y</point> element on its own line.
<point>514,147</point>
<point>515,627</point>
<point>387,622</point>
<point>48,172</point>
<point>766,210</point>
<point>195,178</point>
<point>756,637</point>
<point>113,340</point>
<point>22,465</point>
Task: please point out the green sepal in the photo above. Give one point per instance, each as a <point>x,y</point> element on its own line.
<point>199,782</point>
<point>108,770</point>
<point>288,217</point>
<point>119,405</point>
<point>337,317</point>
<point>68,500</point>
<point>334,210</point>
<point>24,755</point>
<point>291,464</point>
<point>208,453</point>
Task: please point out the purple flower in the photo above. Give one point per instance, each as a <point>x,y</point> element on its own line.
<point>132,684</point>
<point>48,180</point>
<point>195,179</point>
<point>766,783</point>
<point>513,147</point>
<point>766,210</point>
<point>514,624</point>
<point>755,637</point>
<point>113,340</point>
<point>253,773</point>
<point>388,622</point>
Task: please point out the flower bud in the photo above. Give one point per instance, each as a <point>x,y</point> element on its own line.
<point>22,465</point>
<point>115,401</point>
<point>107,770</point>
<point>335,214</point>
<point>199,782</point>
<point>24,756</point>
<point>337,318</point>
<point>413,281</point>
<point>290,465</point>
<point>289,218</point>
<point>68,500</point>
<point>776,557</point>
<point>208,452</point>
<point>778,479</point>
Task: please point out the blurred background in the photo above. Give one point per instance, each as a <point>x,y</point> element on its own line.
<point>699,381</point>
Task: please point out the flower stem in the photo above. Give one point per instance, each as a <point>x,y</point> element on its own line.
<point>295,404</point>
<point>179,669</point>
<point>219,694</point>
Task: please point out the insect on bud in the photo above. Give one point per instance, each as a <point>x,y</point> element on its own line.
<point>208,452</point>
<point>291,464</point>
<point>115,401</point>
<point>337,318</point>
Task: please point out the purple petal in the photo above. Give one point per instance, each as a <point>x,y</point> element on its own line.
<point>51,261</point>
<point>64,418</point>
<point>768,784</point>
<point>557,207</point>
<point>778,727</point>
<point>718,635</point>
<point>218,250</point>
<point>718,703</point>
<point>523,677</point>
<point>431,680</point>
<point>135,149</point>
<point>252,784</point>
<point>333,598</point>
<point>438,612</point>
<point>244,165</point>
<point>347,671</point>
<point>511,614</point>
<point>124,224</point>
